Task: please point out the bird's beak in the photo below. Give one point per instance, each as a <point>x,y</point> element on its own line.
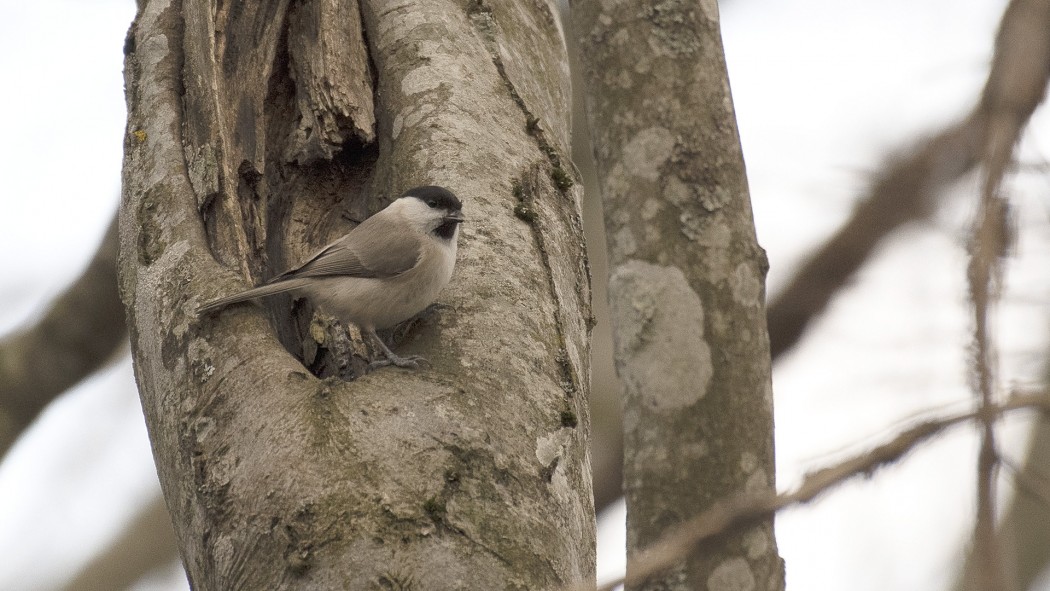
<point>455,217</point>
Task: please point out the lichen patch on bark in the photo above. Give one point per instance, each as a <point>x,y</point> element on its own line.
<point>747,287</point>
<point>647,151</point>
<point>756,543</point>
<point>733,574</point>
<point>660,335</point>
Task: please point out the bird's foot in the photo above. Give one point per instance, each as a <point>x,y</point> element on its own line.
<point>410,362</point>
<point>399,332</point>
<point>434,308</point>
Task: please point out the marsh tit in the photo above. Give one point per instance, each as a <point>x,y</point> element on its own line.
<point>383,272</point>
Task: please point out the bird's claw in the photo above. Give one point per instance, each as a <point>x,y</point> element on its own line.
<point>410,362</point>
<point>436,307</point>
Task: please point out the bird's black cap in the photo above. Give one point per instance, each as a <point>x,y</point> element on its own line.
<point>436,197</point>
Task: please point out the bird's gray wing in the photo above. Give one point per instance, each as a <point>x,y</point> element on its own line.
<point>256,292</point>
<point>369,250</point>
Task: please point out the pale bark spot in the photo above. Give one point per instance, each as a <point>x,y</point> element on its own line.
<point>410,118</point>
<point>225,554</point>
<point>616,186</point>
<point>714,199</point>
<point>756,542</point>
<point>695,450</point>
<point>676,191</point>
<point>747,289</point>
<point>550,450</point>
<point>704,228</point>
<point>420,80</point>
<point>692,226</point>
<point>748,462</point>
<point>695,229</point>
<point>552,446</point>
<point>152,12</point>
<point>757,483</point>
<point>390,30</point>
<point>650,208</point>
<point>710,9</point>
<point>625,242</point>
<point>610,5</point>
<point>734,574</point>
<point>647,151</point>
<point>659,335</point>
<point>642,66</point>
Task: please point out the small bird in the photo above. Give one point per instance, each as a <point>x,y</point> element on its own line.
<point>383,272</point>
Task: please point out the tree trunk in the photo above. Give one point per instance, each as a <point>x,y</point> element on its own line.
<point>254,129</point>
<point>686,283</point>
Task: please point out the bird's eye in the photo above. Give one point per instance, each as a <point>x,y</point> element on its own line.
<point>432,203</point>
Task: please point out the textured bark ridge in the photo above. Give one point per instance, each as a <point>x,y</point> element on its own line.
<point>329,65</point>
<point>686,286</point>
<point>259,131</point>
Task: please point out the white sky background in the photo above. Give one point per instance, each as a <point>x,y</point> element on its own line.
<point>823,89</point>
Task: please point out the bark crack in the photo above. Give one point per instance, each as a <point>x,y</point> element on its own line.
<point>525,189</point>
<point>528,186</point>
<point>481,16</point>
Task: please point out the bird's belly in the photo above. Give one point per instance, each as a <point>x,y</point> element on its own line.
<point>381,303</point>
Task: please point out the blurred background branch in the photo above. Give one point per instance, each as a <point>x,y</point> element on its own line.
<point>81,329</point>
<point>746,508</point>
<point>904,191</point>
<point>146,544</point>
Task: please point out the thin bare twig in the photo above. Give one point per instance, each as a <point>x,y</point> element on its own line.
<point>745,509</point>
<point>987,247</point>
<point>1016,85</point>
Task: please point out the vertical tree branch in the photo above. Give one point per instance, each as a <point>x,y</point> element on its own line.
<point>686,284</point>
<point>1016,85</point>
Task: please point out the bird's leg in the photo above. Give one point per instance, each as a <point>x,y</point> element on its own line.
<point>400,331</point>
<point>412,361</point>
<point>434,308</point>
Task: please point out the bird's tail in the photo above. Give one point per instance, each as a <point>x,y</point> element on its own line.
<point>251,294</point>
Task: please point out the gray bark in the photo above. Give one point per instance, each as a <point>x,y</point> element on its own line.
<point>469,475</point>
<point>686,283</point>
